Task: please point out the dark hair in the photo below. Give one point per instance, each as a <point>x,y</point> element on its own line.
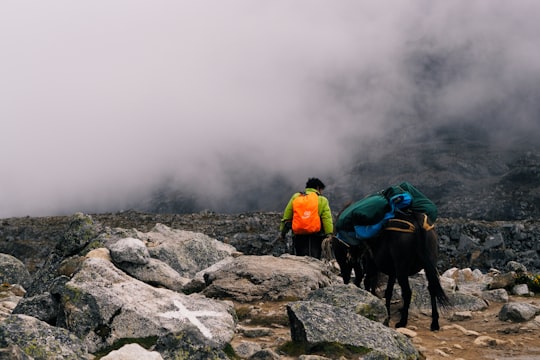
<point>315,183</point>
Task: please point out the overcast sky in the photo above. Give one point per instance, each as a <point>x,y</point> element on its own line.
<point>102,100</point>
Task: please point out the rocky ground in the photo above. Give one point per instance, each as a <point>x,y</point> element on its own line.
<point>265,323</point>
<point>455,340</point>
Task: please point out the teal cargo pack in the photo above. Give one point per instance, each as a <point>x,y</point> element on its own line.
<point>420,203</point>
<point>371,213</point>
<point>367,211</point>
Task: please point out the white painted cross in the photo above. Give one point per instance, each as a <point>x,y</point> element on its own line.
<point>184,313</point>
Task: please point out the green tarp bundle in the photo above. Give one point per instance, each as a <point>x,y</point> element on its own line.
<point>367,211</point>
<point>371,209</point>
<point>421,203</point>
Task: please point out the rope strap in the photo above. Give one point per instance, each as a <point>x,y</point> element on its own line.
<point>400,226</point>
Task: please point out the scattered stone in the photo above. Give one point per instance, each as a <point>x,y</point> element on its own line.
<point>13,271</point>
<point>462,329</point>
<point>488,341</point>
<point>132,352</point>
<point>520,290</point>
<point>518,312</point>
<point>496,295</point>
<point>100,253</point>
<point>246,348</point>
<point>254,332</point>
<point>514,266</point>
<point>407,332</point>
<point>441,353</point>
<point>461,315</point>
<point>502,281</point>
<point>265,354</point>
<point>129,250</point>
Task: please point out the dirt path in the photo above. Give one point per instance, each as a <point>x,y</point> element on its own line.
<point>483,336</point>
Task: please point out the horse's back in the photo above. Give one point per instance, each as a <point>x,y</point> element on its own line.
<point>396,252</point>
<point>404,250</point>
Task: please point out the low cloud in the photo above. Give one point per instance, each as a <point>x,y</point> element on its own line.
<point>104,102</point>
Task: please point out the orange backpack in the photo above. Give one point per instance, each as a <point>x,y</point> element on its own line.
<point>306,218</point>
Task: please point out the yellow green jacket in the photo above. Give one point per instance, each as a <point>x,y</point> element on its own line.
<point>324,212</point>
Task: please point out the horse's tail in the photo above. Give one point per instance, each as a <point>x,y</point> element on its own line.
<point>428,255</point>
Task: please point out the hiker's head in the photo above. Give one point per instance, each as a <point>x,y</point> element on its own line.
<point>315,183</point>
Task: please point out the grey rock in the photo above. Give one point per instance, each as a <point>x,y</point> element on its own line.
<point>494,241</point>
<point>129,250</point>
<point>466,302</point>
<point>352,298</point>
<point>514,266</point>
<point>102,304</point>
<point>132,352</point>
<point>518,312</point>
<point>502,281</point>
<point>41,306</point>
<point>467,243</point>
<point>497,295</point>
<point>80,232</point>
<point>13,352</point>
<point>520,290</point>
<point>185,251</point>
<point>265,354</point>
<point>314,323</point>
<point>189,344</point>
<point>40,340</point>
<point>250,278</point>
<point>13,271</point>
<point>461,315</point>
<point>246,348</point>
<point>156,273</point>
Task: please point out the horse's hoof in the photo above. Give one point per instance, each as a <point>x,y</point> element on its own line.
<point>401,324</point>
<point>434,327</point>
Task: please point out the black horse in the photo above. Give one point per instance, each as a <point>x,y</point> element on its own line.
<point>406,245</point>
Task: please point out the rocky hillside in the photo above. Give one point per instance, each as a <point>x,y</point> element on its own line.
<point>472,243</point>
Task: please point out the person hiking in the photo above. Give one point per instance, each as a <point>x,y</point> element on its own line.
<point>309,217</point>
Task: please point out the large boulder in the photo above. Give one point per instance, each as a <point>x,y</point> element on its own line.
<point>314,324</point>
<point>249,278</point>
<point>185,251</point>
<point>103,305</point>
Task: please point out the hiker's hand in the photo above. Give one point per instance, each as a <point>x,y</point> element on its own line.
<point>281,241</point>
<point>326,247</point>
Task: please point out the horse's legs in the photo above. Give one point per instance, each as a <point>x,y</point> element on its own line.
<point>356,263</point>
<point>388,296</point>
<point>406,294</point>
<point>434,311</point>
<point>341,255</point>
<point>358,274</point>
<point>345,271</point>
<point>371,279</point>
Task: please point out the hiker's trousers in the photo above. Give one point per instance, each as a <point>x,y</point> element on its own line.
<point>308,245</point>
